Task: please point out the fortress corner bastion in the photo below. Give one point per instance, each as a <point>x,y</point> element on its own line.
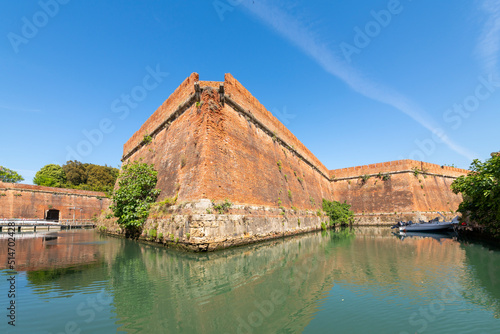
<point>214,142</point>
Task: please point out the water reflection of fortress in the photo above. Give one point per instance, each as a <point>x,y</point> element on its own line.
<point>297,273</point>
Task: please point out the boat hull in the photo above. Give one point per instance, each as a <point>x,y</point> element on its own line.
<point>426,227</point>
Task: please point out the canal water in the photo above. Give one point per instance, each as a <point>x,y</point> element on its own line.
<point>364,280</point>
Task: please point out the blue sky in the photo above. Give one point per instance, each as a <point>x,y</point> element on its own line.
<point>358,82</point>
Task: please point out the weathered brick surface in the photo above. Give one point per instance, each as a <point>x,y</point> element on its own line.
<point>31,202</point>
<point>429,190</point>
<point>163,112</point>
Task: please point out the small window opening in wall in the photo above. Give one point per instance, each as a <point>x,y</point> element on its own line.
<point>52,214</point>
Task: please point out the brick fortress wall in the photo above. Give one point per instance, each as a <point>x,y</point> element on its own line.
<point>32,202</point>
<point>411,189</point>
<point>215,141</point>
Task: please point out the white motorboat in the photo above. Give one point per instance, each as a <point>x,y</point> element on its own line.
<point>422,226</point>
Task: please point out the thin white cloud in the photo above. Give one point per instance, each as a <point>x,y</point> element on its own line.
<point>488,46</point>
<point>297,33</point>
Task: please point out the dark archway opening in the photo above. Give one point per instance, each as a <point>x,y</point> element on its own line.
<point>52,214</point>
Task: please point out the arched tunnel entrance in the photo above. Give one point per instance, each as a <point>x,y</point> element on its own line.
<point>52,214</point>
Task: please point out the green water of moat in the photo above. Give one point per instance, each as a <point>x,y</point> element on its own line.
<point>364,280</point>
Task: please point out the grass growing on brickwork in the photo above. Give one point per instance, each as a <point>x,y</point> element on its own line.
<point>286,177</point>
<point>279,165</point>
<point>290,194</point>
<point>417,172</point>
<point>147,139</point>
<point>312,200</point>
<point>364,178</point>
<point>222,207</point>
<point>163,206</point>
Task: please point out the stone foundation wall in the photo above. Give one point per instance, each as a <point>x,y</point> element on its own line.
<point>189,226</point>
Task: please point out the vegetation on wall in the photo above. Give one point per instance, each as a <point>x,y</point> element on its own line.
<point>135,194</point>
<point>222,207</point>
<point>8,175</point>
<point>481,193</point>
<point>77,175</point>
<point>339,213</point>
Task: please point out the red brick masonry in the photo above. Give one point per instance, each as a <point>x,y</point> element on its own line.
<point>32,202</point>
<point>230,146</point>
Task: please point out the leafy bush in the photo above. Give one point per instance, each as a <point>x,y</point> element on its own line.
<point>338,212</point>
<point>136,192</point>
<point>222,207</point>
<point>481,192</point>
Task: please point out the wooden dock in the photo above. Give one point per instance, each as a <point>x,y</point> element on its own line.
<point>21,225</point>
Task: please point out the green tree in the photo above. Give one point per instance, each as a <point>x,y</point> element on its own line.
<point>8,175</point>
<point>481,193</point>
<point>338,212</point>
<point>51,176</point>
<point>136,192</point>
<point>87,176</point>
<point>101,178</point>
<point>76,172</point>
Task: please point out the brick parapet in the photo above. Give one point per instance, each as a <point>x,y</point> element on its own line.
<point>170,106</point>
<point>52,190</point>
<point>394,167</point>
<point>236,91</point>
